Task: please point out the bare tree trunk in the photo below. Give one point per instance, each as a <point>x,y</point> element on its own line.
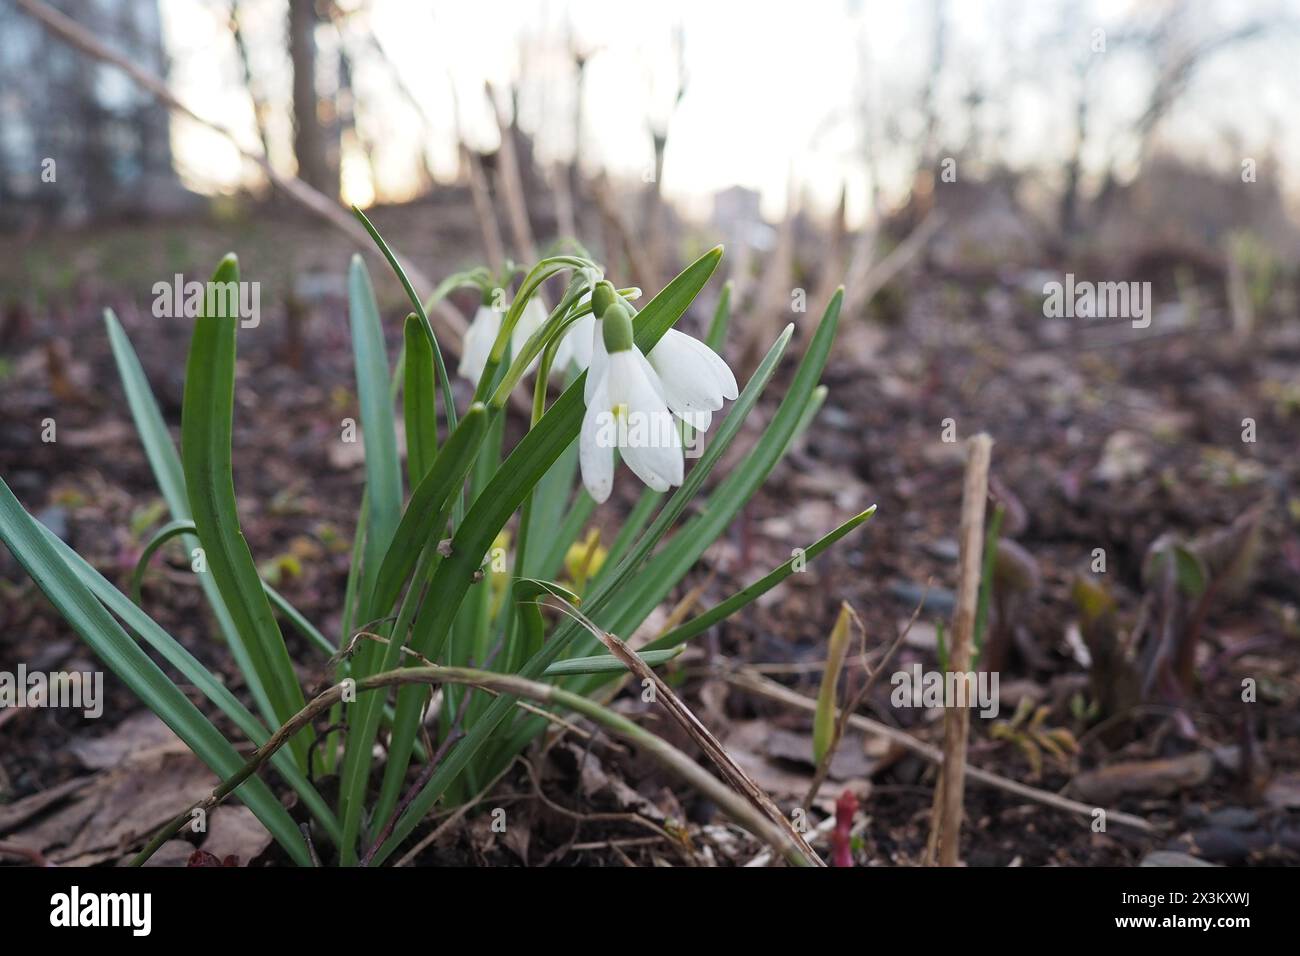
<point>310,143</point>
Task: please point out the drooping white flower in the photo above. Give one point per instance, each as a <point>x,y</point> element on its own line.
<point>694,379</point>
<point>483,332</point>
<point>533,318</point>
<point>626,411</point>
<point>477,346</point>
<point>579,340</point>
<point>599,359</point>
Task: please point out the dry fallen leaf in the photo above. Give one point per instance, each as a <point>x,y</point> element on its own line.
<point>234,831</point>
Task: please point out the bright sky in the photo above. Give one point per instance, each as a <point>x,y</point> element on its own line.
<point>773,88</point>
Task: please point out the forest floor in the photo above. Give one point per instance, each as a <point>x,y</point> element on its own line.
<point>1106,437</point>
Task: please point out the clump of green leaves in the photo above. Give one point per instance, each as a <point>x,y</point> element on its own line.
<point>452,563</point>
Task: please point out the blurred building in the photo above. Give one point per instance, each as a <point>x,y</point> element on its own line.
<point>78,140</point>
<point>738,218</point>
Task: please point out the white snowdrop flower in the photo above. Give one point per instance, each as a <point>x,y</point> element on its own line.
<point>477,346</point>
<point>483,331</point>
<point>580,339</point>
<point>626,410</point>
<point>694,379</point>
<point>533,318</point>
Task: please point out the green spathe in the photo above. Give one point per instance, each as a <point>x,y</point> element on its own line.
<point>602,297</point>
<point>616,327</point>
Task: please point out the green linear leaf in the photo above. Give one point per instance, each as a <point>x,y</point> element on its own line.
<point>171,529</point>
<point>420,524</point>
<point>717,334</point>
<point>608,663</point>
<point>448,399</point>
<point>378,432</point>
<point>417,539</point>
<point>419,402</point>
<point>166,466</point>
<point>748,595</point>
<point>206,426</point>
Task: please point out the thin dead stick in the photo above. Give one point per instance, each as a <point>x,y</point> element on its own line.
<point>564,811</point>
<point>483,209</point>
<point>945,823</point>
<point>731,771</point>
<point>765,687</point>
<point>66,29</point>
<point>512,183</point>
<point>732,803</point>
<point>864,278</point>
<point>620,233</point>
<point>478,190</point>
<point>456,815</point>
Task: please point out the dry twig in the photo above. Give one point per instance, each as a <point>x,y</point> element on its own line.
<point>945,824</point>
<point>765,687</point>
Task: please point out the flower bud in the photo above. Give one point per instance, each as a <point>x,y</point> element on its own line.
<point>602,297</point>
<point>616,327</point>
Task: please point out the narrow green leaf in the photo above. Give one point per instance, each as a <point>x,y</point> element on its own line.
<point>828,692</point>
<point>702,622</point>
<point>206,426</point>
<point>426,515</point>
<point>717,334</point>
<point>416,539</point>
<point>378,432</point>
<point>526,592</point>
<point>448,399</point>
<point>608,663</point>
<point>419,402</point>
<point>166,466</point>
<point>171,529</point>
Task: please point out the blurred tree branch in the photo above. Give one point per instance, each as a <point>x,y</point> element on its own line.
<point>448,318</point>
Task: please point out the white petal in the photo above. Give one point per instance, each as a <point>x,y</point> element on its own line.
<point>594,457</point>
<point>651,375</point>
<point>477,345</point>
<point>726,380</point>
<point>599,359</point>
<point>530,320</point>
<point>651,446</point>
<point>563,356</point>
<point>580,336</point>
<point>689,380</point>
<point>700,421</point>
